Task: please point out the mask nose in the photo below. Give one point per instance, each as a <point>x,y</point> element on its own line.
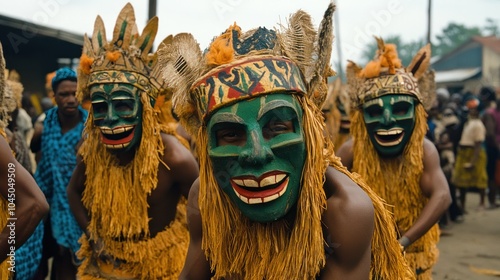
<point>257,152</point>
<point>387,118</point>
<point>110,117</point>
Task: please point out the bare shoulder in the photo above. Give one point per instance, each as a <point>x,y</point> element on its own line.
<point>349,222</point>
<point>430,152</point>
<point>345,152</point>
<point>193,195</point>
<point>346,195</point>
<point>193,211</point>
<point>175,153</point>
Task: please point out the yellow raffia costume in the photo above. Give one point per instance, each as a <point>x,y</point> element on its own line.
<point>337,125</point>
<point>301,56</point>
<point>117,200</point>
<point>397,180</point>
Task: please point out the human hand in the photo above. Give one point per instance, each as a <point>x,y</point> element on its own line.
<point>404,242</point>
<point>98,249</point>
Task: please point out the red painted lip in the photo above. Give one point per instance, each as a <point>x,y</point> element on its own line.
<point>125,140</point>
<point>259,194</point>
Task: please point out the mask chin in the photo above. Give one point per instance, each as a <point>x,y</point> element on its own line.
<point>391,142</point>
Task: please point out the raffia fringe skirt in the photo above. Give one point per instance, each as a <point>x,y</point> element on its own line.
<point>475,177</point>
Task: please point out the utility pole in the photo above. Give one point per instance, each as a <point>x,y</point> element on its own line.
<point>151,14</point>
<point>429,16</point>
<point>337,42</point>
<point>151,9</point>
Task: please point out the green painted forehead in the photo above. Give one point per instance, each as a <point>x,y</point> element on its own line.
<point>389,100</point>
<point>110,88</point>
<point>266,103</point>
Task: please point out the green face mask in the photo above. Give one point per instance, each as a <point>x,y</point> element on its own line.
<point>118,114</point>
<point>390,120</point>
<point>258,152</point>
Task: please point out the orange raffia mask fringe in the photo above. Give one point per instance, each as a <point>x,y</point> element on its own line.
<point>140,177</point>
<point>410,167</point>
<point>387,263</point>
<point>165,253</point>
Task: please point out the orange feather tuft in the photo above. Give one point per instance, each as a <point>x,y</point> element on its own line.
<point>221,50</point>
<point>160,101</point>
<point>388,58</point>
<point>86,63</point>
<point>113,56</point>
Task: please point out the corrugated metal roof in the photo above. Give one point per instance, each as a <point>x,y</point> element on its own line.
<point>41,30</point>
<point>456,75</point>
<point>491,42</point>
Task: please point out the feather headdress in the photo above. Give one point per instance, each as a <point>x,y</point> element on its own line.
<point>10,92</point>
<point>125,59</point>
<point>386,75</point>
<point>3,109</point>
<point>236,67</point>
<point>240,65</point>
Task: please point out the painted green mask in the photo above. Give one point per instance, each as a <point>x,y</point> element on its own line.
<point>390,120</point>
<point>258,152</point>
<point>117,112</point>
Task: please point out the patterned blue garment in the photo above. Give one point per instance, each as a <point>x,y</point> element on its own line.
<point>53,174</point>
<point>28,257</point>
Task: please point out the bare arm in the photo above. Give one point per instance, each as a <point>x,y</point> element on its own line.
<point>345,153</point>
<point>196,265</point>
<point>181,163</point>
<point>349,219</point>
<point>74,191</point>
<point>434,186</point>
<point>18,187</point>
<point>489,124</point>
<point>36,141</point>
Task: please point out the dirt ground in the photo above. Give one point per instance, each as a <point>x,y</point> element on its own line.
<point>471,246</point>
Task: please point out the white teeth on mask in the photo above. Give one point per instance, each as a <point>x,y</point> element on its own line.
<point>264,199</point>
<point>271,180</point>
<point>283,190</point>
<point>250,183</point>
<point>387,144</point>
<point>238,182</point>
<point>118,130</point>
<point>266,181</point>
<point>393,131</point>
<point>270,198</point>
<point>117,146</point>
<point>256,200</point>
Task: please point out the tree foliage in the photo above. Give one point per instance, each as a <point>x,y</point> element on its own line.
<point>453,36</point>
<point>448,39</point>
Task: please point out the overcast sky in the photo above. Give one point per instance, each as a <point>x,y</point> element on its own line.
<point>358,20</point>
